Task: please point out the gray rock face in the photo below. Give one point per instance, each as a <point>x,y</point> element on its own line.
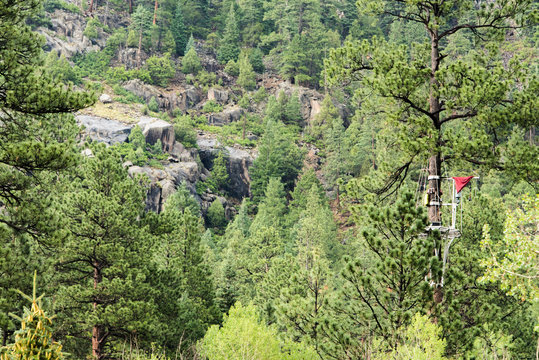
<point>163,183</point>
<point>68,38</point>
<point>188,98</point>
<point>104,130</point>
<point>219,96</point>
<point>128,57</point>
<point>238,164</point>
<point>157,129</point>
<point>226,117</point>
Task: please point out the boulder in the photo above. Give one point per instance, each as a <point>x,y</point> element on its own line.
<point>238,164</point>
<point>105,99</point>
<point>183,171</point>
<point>156,129</point>
<point>128,57</point>
<point>188,98</point>
<point>219,96</point>
<point>104,130</point>
<point>226,117</point>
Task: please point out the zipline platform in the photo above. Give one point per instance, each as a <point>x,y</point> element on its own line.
<point>445,232</point>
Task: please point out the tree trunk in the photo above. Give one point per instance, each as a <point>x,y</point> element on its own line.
<point>435,160</point>
<point>97,330</point>
<point>434,168</point>
<point>130,6</point>
<point>90,8</point>
<point>155,12</point>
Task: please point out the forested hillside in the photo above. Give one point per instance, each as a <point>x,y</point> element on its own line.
<point>269,179</point>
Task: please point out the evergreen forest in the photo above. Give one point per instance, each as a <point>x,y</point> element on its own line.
<point>269,179</point>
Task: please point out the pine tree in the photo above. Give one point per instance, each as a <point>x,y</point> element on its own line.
<point>141,23</point>
<point>385,283</point>
<point>179,31</point>
<point>278,157</point>
<point>190,44</point>
<point>229,48</point>
<point>34,339</point>
<point>191,62</point>
<point>100,257</point>
<point>184,279</point>
<point>216,215</point>
<point>247,77</point>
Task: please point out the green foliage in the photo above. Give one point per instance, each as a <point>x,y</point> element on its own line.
<point>185,132</point>
<point>232,68</point>
<point>387,275</point>
<point>216,215</point>
<point>244,335</point>
<point>421,340</point>
<point>60,69</point>
<point>90,31</point>
<point>256,58</point>
<point>278,157</point>
<point>260,95</point>
<point>211,106</point>
<point>190,44</point>
<point>219,178</point>
<point>229,44</point>
<point>191,62</point>
<point>247,77</point>
<point>104,238</point>
<point>51,5</point>
<point>178,30</point>
<point>161,69</point>
<point>206,79</point>
<point>153,105</point>
<point>34,339</point>
<point>511,260</point>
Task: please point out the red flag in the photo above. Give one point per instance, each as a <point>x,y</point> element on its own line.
<point>461,182</point>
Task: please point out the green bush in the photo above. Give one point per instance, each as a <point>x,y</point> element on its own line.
<point>206,79</point>
<point>260,95</point>
<point>132,39</point>
<point>232,68</point>
<point>160,69</point>
<point>51,5</point>
<point>216,215</point>
<point>60,69</point>
<point>212,107</point>
<point>191,62</point>
<point>90,31</point>
<point>256,58</point>
<point>153,105</point>
<point>185,132</point>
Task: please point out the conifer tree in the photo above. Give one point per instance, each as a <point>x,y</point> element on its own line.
<point>190,44</point>
<point>229,48</point>
<point>100,258</point>
<point>179,31</point>
<point>278,157</point>
<point>184,280</point>
<point>34,339</point>
<point>247,77</point>
<point>385,283</point>
<point>191,62</point>
<point>141,23</point>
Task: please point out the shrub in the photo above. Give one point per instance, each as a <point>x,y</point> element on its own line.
<point>216,215</point>
<point>153,105</point>
<point>185,132</point>
<point>232,68</point>
<point>132,39</point>
<point>90,31</point>
<point>260,95</point>
<point>191,62</point>
<point>212,107</point>
<point>206,78</point>
<point>160,69</point>
<point>51,5</point>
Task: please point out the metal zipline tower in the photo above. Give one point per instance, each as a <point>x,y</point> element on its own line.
<point>434,187</point>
